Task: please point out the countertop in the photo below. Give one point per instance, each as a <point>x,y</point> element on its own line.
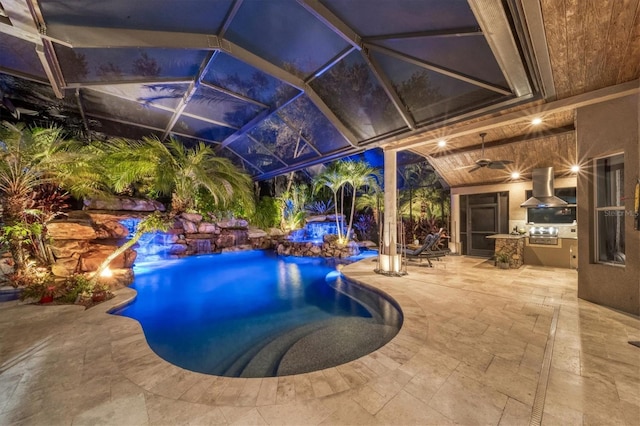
<point>507,236</point>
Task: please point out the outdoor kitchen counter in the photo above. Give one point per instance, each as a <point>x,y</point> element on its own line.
<point>507,236</point>
<point>513,245</point>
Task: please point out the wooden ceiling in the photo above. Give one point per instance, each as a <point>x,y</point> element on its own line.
<point>591,44</point>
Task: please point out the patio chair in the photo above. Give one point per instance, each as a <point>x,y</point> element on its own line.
<point>423,252</point>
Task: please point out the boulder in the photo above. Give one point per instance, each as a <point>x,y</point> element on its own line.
<point>67,248</point>
<point>256,233</point>
<point>65,267</point>
<point>123,203</point>
<point>191,217</point>
<point>111,229</point>
<point>207,228</point>
<point>72,229</point>
<point>233,223</point>
<point>316,218</point>
<point>91,260</point>
<point>225,240</point>
<point>189,227</point>
<point>275,232</point>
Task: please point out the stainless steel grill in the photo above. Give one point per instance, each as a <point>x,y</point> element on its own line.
<point>546,235</point>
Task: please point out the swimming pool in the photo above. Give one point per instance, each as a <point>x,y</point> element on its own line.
<point>256,314</point>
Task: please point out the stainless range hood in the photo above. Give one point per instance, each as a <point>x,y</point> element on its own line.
<point>543,190</point>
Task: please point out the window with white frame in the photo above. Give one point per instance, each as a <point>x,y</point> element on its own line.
<point>610,212</point>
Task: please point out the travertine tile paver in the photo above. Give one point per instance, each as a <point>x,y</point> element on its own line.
<point>470,351</point>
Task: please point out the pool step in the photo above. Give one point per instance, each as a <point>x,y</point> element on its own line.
<point>264,363</point>
<point>341,341</point>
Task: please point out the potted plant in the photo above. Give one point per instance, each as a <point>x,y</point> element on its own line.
<point>502,260</point>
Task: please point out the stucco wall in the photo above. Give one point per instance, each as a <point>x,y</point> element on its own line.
<point>602,129</point>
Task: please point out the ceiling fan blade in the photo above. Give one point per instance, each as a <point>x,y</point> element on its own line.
<point>496,165</point>
<point>465,167</point>
<point>474,169</point>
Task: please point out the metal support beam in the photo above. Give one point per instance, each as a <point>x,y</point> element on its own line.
<point>85,123</point>
<point>47,56</point>
<point>439,69</point>
<point>193,87</point>
<point>233,94</point>
<point>95,37</point>
<point>497,29</point>
<point>261,64</point>
<point>449,32</point>
<point>229,18</point>
<point>336,24</point>
<point>535,25</point>
<point>285,76</point>
<point>26,17</point>
<point>20,33</point>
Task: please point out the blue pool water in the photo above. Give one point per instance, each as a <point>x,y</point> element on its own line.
<point>254,314</point>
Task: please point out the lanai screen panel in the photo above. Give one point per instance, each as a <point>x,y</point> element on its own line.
<point>351,90</point>
<point>302,114</point>
<point>156,94</point>
<point>282,140</point>
<point>127,64</point>
<point>285,34</point>
<point>191,126</point>
<point>430,95</point>
<point>20,55</point>
<point>383,17</point>
<point>241,78</point>
<point>221,107</point>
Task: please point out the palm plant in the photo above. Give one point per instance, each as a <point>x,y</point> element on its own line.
<point>34,160</point>
<point>359,174</point>
<point>346,176</point>
<point>171,169</point>
<point>333,177</point>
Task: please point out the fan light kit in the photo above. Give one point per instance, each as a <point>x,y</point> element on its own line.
<point>442,143</point>
<point>490,164</point>
<point>536,121</point>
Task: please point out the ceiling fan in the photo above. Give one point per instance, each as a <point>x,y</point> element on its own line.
<point>485,162</point>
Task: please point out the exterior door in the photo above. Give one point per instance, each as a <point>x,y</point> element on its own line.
<point>483,221</point>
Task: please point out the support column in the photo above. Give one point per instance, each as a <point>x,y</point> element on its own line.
<point>389,259</point>
<point>455,242</point>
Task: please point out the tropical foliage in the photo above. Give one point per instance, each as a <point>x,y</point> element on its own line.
<point>155,168</point>
<point>346,177</point>
<point>35,163</point>
<point>292,206</point>
<point>267,213</point>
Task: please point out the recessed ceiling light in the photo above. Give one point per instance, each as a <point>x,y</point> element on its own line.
<point>442,143</point>
<point>536,121</point>
<point>575,168</point>
<point>515,175</point>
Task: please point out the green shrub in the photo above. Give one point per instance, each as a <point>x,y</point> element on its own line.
<point>73,287</point>
<point>267,213</point>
